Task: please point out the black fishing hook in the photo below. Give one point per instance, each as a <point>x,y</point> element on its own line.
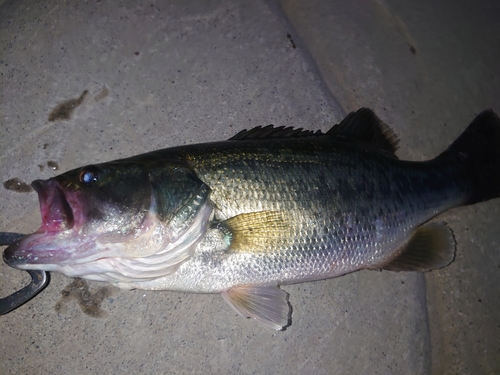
<point>39,280</point>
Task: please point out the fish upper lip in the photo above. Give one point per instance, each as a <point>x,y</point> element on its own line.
<point>56,211</point>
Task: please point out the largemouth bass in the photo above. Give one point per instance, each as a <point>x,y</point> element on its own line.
<point>268,207</point>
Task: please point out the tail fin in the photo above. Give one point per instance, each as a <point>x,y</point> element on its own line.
<point>478,151</point>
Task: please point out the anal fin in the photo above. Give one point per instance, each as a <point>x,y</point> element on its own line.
<point>266,304</point>
<point>430,247</point>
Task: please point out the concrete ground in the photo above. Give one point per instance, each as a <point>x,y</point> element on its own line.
<point>165,73</point>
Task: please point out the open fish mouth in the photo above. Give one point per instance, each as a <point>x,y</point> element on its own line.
<point>56,211</point>
<point>61,215</point>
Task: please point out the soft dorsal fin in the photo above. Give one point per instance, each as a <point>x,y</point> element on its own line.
<point>270,131</point>
<point>364,125</point>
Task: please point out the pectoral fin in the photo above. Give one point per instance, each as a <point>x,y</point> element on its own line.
<point>431,246</point>
<point>258,231</point>
<point>267,304</point>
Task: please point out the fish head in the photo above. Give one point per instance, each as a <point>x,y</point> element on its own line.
<point>81,206</point>
<point>95,198</point>
<point>97,217</point>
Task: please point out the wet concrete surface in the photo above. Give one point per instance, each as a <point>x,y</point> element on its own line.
<point>161,74</point>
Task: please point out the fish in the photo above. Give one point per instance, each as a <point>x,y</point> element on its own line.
<point>268,207</point>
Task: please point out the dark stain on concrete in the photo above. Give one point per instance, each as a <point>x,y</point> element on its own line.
<point>53,165</point>
<point>64,110</point>
<point>104,93</point>
<point>17,185</point>
<point>291,41</point>
<point>89,301</point>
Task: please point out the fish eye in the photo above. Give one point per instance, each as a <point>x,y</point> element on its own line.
<point>88,175</point>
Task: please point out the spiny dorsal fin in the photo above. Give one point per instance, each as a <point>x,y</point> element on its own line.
<point>270,131</point>
<point>364,125</point>
<point>430,247</point>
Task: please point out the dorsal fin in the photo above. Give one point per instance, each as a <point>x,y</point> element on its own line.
<point>270,131</point>
<point>364,125</point>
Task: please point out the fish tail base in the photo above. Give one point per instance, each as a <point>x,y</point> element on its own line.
<point>477,151</point>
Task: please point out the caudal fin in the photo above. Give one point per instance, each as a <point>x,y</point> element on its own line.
<point>478,151</point>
